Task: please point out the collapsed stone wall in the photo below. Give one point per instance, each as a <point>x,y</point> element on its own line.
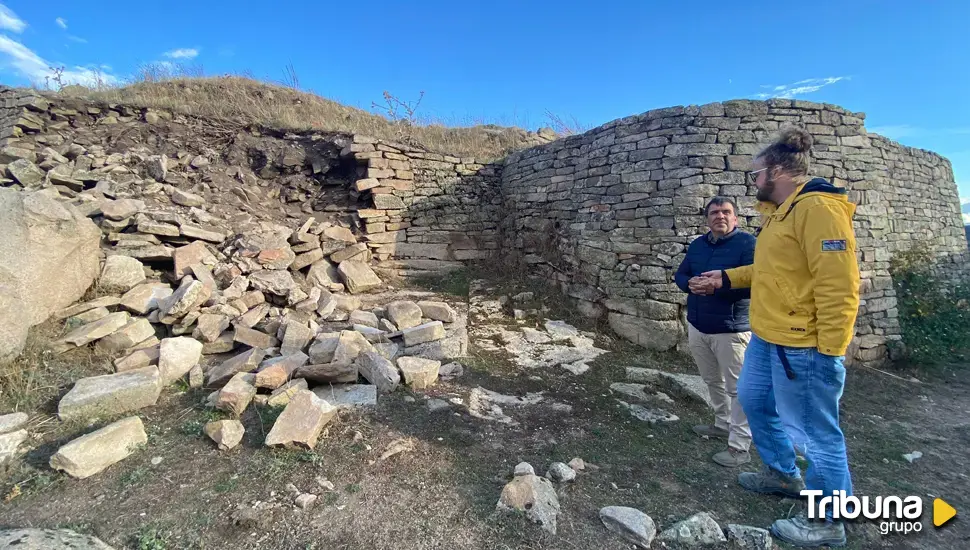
<point>609,213</point>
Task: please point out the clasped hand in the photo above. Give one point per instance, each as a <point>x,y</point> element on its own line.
<point>705,284</point>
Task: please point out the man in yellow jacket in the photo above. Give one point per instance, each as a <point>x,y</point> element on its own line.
<point>804,301</point>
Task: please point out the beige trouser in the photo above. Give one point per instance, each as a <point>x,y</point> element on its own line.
<point>719,358</point>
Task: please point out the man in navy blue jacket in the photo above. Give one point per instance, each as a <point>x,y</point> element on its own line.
<point>718,329</point>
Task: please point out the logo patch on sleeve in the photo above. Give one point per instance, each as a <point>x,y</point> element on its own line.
<point>834,246</point>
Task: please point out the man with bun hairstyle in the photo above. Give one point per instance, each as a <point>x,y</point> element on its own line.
<point>804,301</point>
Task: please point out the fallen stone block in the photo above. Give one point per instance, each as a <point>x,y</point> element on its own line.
<point>378,371</point>
<point>744,537</point>
<point>237,394</point>
<point>630,524</point>
<point>404,314</point>
<point>225,343</point>
<point>246,361</point>
<point>144,298</point>
<point>300,423</point>
<point>282,395</point>
<point>296,337</point>
<point>254,338</point>
<point>137,359</point>
<point>177,356</point>
<point>189,255</point>
<point>91,332</point>
<point>349,345</point>
<point>691,386</point>
<point>92,453</point>
<point>88,316</point>
<point>137,330</point>
<point>271,377</point>
<point>121,274</point>
<point>535,497</point>
<point>697,530</point>
<point>438,311</point>
<point>12,422</point>
<point>225,433</point>
<point>209,326</point>
<point>329,373</point>
<point>348,396</point>
<point>10,445</point>
<point>419,373</point>
<point>358,276</point>
<point>110,394</point>
<point>421,334</point>
<point>365,318</point>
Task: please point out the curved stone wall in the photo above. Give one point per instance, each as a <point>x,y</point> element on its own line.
<point>609,213</point>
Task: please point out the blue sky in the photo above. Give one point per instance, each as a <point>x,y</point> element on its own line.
<point>903,63</point>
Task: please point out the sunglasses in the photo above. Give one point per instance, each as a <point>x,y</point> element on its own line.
<point>753,176</point>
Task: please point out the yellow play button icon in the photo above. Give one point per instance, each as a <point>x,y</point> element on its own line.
<point>942,512</point>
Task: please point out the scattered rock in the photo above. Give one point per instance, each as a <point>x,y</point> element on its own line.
<point>690,386</point>
<point>137,359</point>
<point>534,496</point>
<point>25,173</point>
<point>92,453</point>
<point>157,167</point>
<point>451,370</point>
<point>246,361</point>
<point>282,395</point>
<point>110,394</point>
<point>137,330</point>
<point>749,538</point>
<point>577,464</point>
<point>523,469</point>
<point>276,282</point>
<point>349,345</point>
<point>913,456</point>
<point>631,524</point>
<point>189,255</point>
<point>364,318</point>
<point>649,415</point>
<point>12,422</point>
<point>209,326</point>
<point>398,446</point>
<point>184,198</point>
<point>305,501</point>
<point>419,373</point>
<point>560,330</point>
<point>697,530</point>
<point>560,472</point>
<point>437,405</point>
<point>90,332</point>
<point>121,209</point>
<point>176,357</point>
<point>226,433</point>
<point>49,539</point>
<point>10,445</point>
<point>324,347</point>
<point>300,423</point>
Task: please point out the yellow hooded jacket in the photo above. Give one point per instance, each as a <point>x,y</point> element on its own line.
<point>805,278</point>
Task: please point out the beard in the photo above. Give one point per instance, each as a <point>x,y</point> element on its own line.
<point>765,192</point>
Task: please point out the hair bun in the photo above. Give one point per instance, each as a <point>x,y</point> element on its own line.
<point>796,139</point>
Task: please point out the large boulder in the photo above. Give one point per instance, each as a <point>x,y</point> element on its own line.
<point>48,259</point>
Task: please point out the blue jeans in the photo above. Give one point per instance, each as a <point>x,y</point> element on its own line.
<point>803,413</point>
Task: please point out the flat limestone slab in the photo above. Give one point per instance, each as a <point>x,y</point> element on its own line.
<point>348,396</point>
<point>691,386</point>
<point>111,394</point>
<point>92,453</point>
<point>300,423</point>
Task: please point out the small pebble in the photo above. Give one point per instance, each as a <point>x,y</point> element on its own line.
<point>157,460</point>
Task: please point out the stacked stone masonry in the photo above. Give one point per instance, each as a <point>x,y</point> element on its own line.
<point>607,214</point>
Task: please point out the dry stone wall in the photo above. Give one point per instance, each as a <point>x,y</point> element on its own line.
<point>609,213</point>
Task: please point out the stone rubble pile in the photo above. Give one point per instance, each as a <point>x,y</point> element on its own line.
<point>256,306</point>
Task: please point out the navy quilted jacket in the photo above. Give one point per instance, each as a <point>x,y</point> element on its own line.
<point>726,310</point>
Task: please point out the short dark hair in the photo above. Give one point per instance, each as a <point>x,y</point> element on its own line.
<point>718,201</point>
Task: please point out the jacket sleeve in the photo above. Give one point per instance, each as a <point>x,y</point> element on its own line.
<point>828,242</point>
<point>683,273</point>
<point>730,292</point>
<point>739,277</point>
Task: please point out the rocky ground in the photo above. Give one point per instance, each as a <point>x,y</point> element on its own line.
<point>513,450</point>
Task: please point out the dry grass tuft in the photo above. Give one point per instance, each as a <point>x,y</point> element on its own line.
<point>248,101</point>
<point>33,381</point>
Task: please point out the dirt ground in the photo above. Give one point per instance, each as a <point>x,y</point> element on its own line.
<point>181,492</point>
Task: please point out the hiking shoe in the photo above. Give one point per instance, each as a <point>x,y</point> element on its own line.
<point>711,431</point>
<point>732,457</point>
<point>771,482</point>
<point>807,533</point>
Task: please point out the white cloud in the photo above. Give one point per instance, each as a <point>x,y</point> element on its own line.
<point>61,22</point>
<point>10,21</point>
<point>183,53</point>
<point>802,87</point>
<point>77,39</point>
<point>28,64</point>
